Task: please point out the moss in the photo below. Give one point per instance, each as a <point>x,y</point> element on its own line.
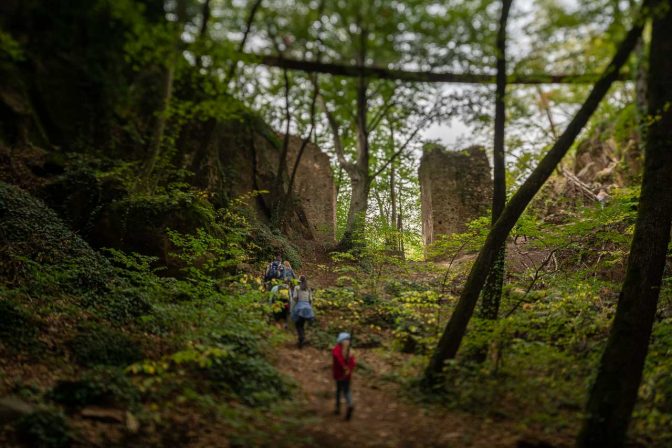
<point>99,345</point>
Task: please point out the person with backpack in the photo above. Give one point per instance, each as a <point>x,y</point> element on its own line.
<point>301,308</point>
<point>342,368</point>
<point>288,274</point>
<point>274,270</point>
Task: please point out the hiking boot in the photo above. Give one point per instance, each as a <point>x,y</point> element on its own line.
<point>348,413</point>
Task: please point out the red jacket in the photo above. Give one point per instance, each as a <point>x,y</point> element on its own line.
<point>342,368</point>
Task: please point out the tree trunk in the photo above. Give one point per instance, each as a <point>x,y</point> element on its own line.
<point>241,46</point>
<point>168,78</point>
<point>278,190</point>
<point>283,207</point>
<point>614,392</point>
<point>492,292</point>
<point>206,13</point>
<point>641,96</point>
<point>360,179</point>
<point>455,329</point>
<point>145,183</point>
<point>400,226</point>
<point>393,199</point>
<point>360,184</point>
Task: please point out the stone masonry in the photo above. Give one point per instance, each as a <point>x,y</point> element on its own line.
<point>456,187</point>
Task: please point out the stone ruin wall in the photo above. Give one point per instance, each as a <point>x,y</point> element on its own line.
<point>250,163</point>
<point>316,190</point>
<point>456,187</point>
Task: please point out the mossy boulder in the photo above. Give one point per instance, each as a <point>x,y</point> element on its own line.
<point>140,224</point>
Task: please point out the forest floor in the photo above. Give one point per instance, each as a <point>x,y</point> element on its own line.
<point>385,414</point>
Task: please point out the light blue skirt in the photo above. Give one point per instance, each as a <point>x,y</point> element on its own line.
<point>302,309</point>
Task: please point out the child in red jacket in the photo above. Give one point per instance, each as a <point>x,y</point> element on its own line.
<point>344,364</point>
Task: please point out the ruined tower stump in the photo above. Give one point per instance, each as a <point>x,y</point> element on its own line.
<point>456,187</point>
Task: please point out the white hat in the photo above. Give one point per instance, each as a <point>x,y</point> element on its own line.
<point>342,337</point>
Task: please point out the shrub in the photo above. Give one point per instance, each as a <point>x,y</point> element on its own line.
<point>252,379</point>
<point>96,344</point>
<point>44,429</point>
<point>102,386</point>
<point>124,304</point>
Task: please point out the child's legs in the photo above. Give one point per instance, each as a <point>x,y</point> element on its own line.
<point>339,391</point>
<point>347,392</point>
<point>343,388</point>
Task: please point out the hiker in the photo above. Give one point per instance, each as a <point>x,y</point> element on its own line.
<point>343,365</point>
<point>274,270</point>
<point>279,300</point>
<point>288,273</point>
<point>302,308</point>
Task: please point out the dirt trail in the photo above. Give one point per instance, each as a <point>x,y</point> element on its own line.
<point>382,417</point>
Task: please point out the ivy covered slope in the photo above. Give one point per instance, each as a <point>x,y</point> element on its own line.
<point>97,349</point>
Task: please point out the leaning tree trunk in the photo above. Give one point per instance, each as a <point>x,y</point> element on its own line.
<point>455,329</point>
<point>492,292</point>
<point>614,392</point>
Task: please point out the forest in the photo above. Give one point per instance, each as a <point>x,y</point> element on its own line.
<point>313,223</point>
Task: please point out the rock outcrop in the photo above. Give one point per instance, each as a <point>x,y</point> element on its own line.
<point>455,187</point>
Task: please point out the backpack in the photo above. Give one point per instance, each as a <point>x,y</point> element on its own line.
<point>275,271</point>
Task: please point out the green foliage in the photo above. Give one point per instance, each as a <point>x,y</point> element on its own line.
<point>456,244</point>
<point>96,344</point>
<point>416,319</point>
<point>10,49</point>
<point>101,386</point>
<point>253,379</point>
<point>44,429</point>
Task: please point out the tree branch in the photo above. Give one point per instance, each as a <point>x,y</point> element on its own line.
<point>379,116</point>
<point>377,72</point>
<point>246,33</point>
<point>402,147</point>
